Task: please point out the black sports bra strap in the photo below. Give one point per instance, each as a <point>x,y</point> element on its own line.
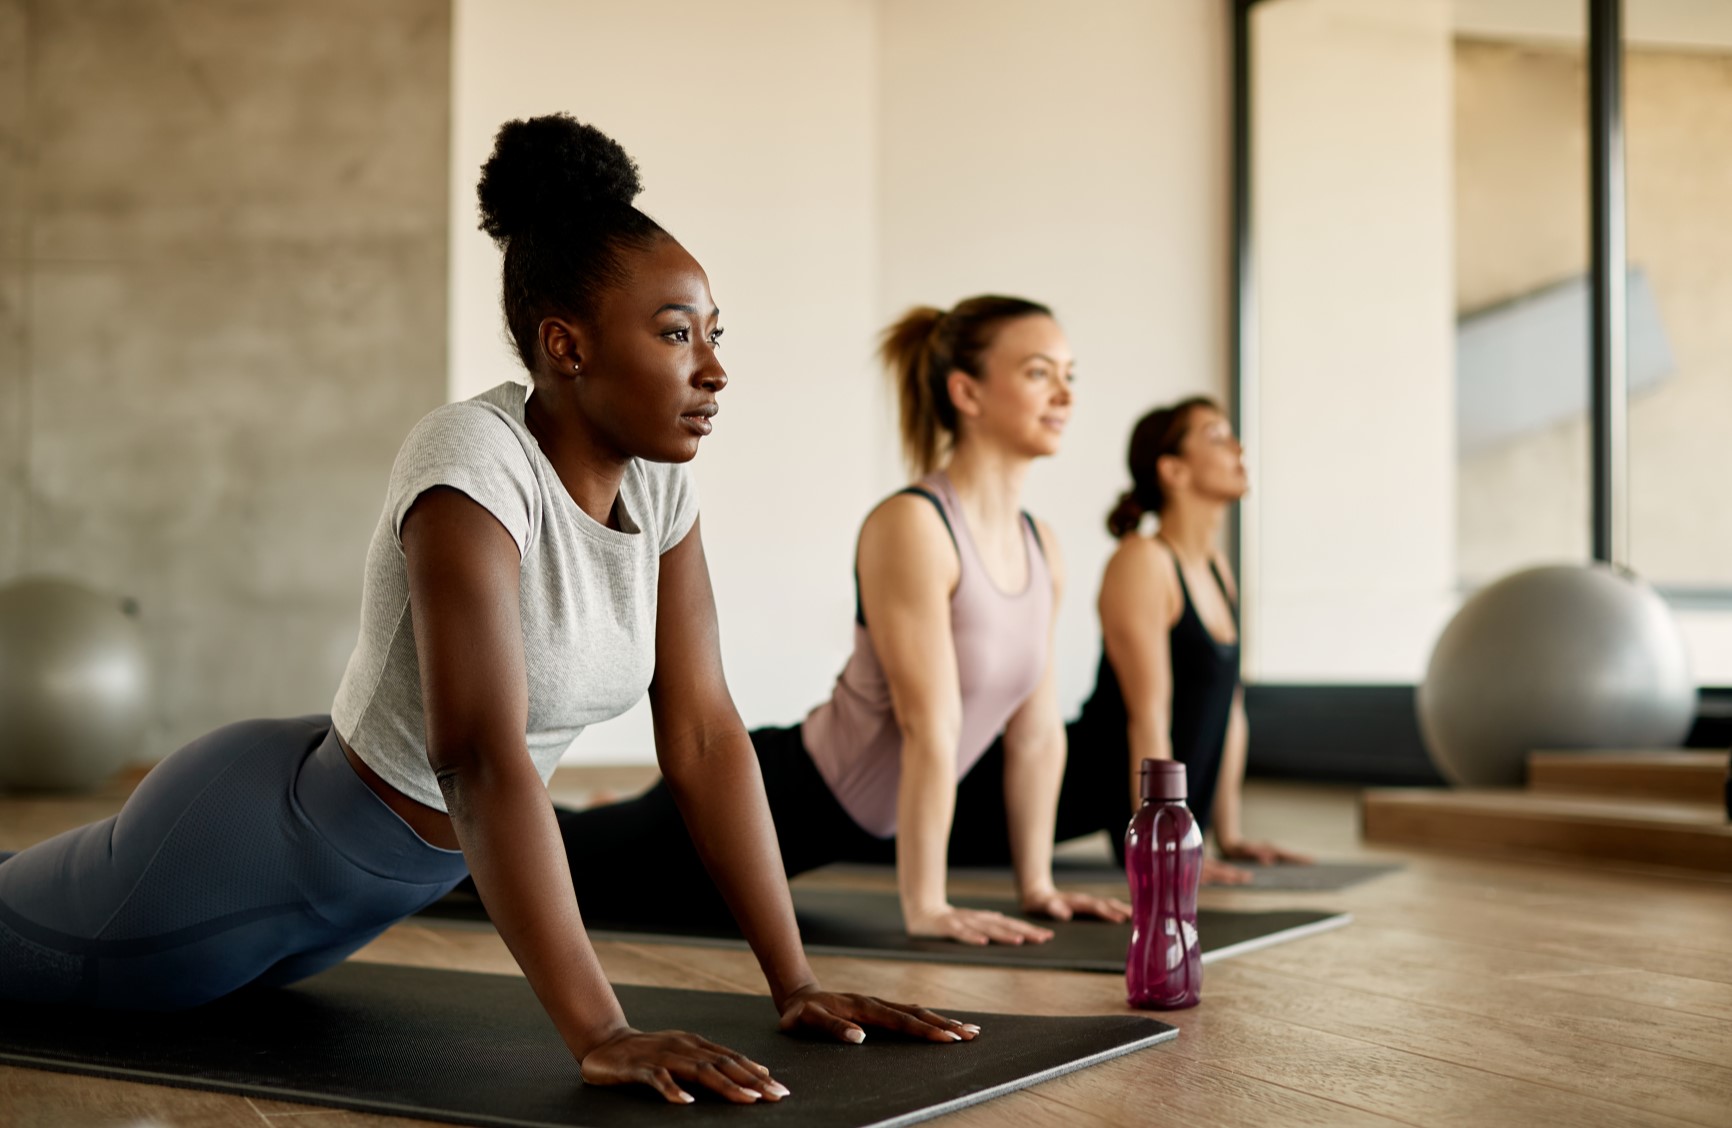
<point>1034,531</point>
<point>860,608</point>
<point>1221,583</point>
<point>1185,589</point>
<point>1178,569</point>
<point>922,491</point>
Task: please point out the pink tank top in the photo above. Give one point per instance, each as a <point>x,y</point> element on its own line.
<point>1001,654</point>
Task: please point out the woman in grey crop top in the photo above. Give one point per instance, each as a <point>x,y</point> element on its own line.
<point>952,649</point>
<point>537,567</point>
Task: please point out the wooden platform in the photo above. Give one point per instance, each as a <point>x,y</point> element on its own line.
<point>1685,776</point>
<point>1468,991</point>
<point>1581,827</point>
<point>1641,808</point>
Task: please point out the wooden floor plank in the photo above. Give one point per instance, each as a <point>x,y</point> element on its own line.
<point>1439,1094</point>
<point>1688,996</point>
<point>1198,1095</point>
<point>1507,1043</point>
<point>1488,981</point>
<point>1517,930</point>
<point>33,1098</point>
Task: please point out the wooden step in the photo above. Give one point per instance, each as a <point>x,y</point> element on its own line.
<point>1584,828</point>
<point>1682,775</point>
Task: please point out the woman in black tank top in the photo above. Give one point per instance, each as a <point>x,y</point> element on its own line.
<point>1203,675</point>
<point>1168,680</point>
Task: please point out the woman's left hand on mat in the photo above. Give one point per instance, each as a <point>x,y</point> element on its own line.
<point>842,1016</point>
<point>1061,905</point>
<point>1262,853</point>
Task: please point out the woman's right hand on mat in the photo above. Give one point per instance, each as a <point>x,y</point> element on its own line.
<point>1262,853</point>
<point>976,926</point>
<point>1216,872</point>
<point>1063,904</point>
<point>662,1059</point>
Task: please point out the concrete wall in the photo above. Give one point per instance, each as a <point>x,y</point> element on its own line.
<point>222,304</point>
<point>833,161</point>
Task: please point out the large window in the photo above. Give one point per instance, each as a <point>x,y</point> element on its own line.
<point>1521,288</point>
<point>1420,387</point>
<point>1678,116</point>
<point>1418,390</point>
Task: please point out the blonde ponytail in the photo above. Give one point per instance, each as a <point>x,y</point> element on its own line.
<point>922,349</point>
<point>906,350</point>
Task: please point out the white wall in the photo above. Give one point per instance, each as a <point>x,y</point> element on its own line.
<point>753,123</point>
<point>833,161</point>
<point>1353,569</point>
<point>1075,154</point>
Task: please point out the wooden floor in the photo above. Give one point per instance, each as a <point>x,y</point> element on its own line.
<point>1469,991</point>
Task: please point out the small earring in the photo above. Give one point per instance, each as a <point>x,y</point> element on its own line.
<point>576,367</point>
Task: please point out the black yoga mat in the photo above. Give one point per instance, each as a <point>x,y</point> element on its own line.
<point>1318,877</point>
<point>476,1049</point>
<point>857,923</point>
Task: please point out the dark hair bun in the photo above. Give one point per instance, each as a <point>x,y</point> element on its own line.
<point>1126,515</point>
<point>551,171</point>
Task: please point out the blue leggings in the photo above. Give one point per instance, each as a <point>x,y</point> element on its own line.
<point>254,855</point>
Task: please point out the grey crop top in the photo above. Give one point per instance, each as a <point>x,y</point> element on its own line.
<point>588,592</point>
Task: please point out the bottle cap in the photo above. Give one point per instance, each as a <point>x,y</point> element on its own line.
<point>1163,780</point>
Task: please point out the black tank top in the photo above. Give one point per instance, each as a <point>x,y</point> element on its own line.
<point>1205,677</point>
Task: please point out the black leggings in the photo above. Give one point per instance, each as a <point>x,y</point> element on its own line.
<point>1091,798</point>
<point>633,862</point>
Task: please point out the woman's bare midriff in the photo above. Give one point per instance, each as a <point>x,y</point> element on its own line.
<point>433,825</point>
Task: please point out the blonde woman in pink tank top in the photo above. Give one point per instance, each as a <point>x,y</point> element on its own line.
<point>958,593</point>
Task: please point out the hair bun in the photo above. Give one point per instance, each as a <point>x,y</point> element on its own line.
<point>549,171</point>
<point>1127,515</point>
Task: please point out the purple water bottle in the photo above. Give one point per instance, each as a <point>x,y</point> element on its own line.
<point>1164,862</point>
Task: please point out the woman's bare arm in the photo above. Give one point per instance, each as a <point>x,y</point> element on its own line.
<point>463,590</point>
<point>1138,605</point>
<point>908,569</point>
<point>1034,757</point>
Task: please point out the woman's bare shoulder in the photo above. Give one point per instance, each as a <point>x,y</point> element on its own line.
<point>907,535</point>
<point>1140,567</point>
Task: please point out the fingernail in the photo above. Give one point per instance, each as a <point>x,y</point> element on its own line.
<point>953,1035</point>
<point>855,1036</point>
<point>753,1093</point>
<point>779,1089</point>
<point>686,1098</point>
<point>971,1028</point>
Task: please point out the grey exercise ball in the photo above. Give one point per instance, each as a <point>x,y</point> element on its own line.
<point>73,685</point>
<point>1564,657</point>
